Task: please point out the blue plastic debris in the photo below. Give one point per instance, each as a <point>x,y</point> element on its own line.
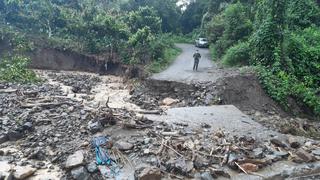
<point>103,157</point>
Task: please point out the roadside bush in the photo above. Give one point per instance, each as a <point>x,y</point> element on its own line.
<point>237,55</point>
<point>302,14</point>
<point>303,50</point>
<point>215,28</point>
<point>15,69</point>
<point>213,52</point>
<point>281,85</point>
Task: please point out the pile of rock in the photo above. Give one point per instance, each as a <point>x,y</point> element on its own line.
<point>180,151</point>
<point>287,125</point>
<point>201,94</point>
<point>80,83</point>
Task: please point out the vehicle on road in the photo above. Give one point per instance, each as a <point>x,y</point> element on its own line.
<point>202,43</point>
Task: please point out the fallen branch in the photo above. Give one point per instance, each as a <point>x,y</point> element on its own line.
<point>43,105</point>
<point>173,150</point>
<point>161,147</point>
<point>175,133</point>
<point>241,168</point>
<point>158,112</point>
<point>8,90</point>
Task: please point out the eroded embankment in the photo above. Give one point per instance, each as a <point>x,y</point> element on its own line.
<point>48,58</point>
<point>243,91</point>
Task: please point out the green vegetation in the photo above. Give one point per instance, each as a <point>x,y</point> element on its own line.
<point>14,69</point>
<point>170,54</point>
<point>237,55</point>
<point>280,38</point>
<point>137,32</point>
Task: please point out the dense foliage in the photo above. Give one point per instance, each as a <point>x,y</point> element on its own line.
<point>279,37</point>
<point>133,30</point>
<point>14,69</point>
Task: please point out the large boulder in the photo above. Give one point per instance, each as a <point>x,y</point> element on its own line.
<point>23,172</point>
<point>169,101</point>
<point>80,173</point>
<point>75,160</point>
<point>150,173</point>
<point>123,146</point>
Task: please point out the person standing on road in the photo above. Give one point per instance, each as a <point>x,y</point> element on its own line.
<point>196,57</point>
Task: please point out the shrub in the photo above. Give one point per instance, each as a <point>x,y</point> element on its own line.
<point>237,55</point>
<point>14,69</point>
<point>281,85</point>
<point>215,28</point>
<point>213,52</point>
<point>303,49</point>
<point>302,14</point>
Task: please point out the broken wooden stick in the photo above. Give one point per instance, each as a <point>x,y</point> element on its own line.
<point>241,168</point>
<point>8,90</point>
<point>173,150</point>
<point>149,112</point>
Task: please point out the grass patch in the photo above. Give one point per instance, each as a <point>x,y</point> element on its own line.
<point>161,64</point>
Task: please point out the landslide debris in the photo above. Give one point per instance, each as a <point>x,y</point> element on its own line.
<point>80,83</point>
<point>46,132</point>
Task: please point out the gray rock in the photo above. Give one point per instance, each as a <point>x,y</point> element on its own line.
<point>23,172</point>
<point>80,173</point>
<point>206,176</point>
<point>3,138</point>
<point>75,160</point>
<point>272,158</point>
<point>147,140</point>
<point>92,167</point>
<point>208,99</point>
<point>94,127</point>
<point>150,173</point>
<point>27,126</point>
<point>305,156</point>
<point>123,146</point>
<point>258,153</point>
<point>281,154</point>
<point>278,142</point>
<point>316,152</point>
<point>14,135</point>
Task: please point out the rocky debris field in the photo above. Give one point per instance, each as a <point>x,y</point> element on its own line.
<point>154,94</point>
<point>288,125</point>
<point>158,95</point>
<point>47,134</point>
<point>80,83</point>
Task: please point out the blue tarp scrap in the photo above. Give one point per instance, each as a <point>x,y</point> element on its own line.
<point>103,157</point>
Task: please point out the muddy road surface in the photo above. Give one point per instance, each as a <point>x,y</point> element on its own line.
<point>181,69</point>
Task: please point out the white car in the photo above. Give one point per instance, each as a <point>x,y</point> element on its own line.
<point>202,43</point>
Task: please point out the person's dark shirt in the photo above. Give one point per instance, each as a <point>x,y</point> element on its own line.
<point>196,56</point>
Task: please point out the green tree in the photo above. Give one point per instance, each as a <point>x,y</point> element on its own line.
<point>303,13</point>
<point>267,41</point>
<point>144,17</point>
<point>167,10</point>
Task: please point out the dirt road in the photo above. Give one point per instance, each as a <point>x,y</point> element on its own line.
<point>181,69</point>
